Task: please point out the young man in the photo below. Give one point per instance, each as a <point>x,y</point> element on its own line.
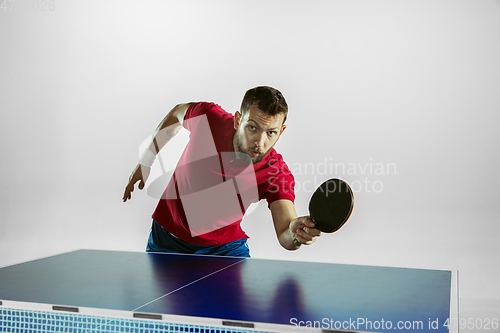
<point>228,163</point>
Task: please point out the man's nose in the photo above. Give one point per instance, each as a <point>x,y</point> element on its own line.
<point>261,139</point>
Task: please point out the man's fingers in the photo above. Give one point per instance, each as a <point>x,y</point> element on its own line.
<point>128,190</point>
<point>304,235</point>
<point>308,222</point>
<point>305,238</point>
<point>305,221</point>
<point>311,231</point>
<point>126,195</point>
<point>311,241</point>
<point>134,178</point>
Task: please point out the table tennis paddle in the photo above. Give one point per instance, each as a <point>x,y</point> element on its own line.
<point>331,205</point>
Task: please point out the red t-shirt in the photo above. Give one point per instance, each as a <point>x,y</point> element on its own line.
<point>211,189</point>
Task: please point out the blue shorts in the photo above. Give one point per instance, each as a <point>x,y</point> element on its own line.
<point>160,240</point>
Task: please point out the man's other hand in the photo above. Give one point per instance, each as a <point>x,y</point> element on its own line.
<point>140,174</point>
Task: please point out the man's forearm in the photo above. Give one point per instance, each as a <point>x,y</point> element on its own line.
<point>283,213</point>
<point>168,127</point>
<point>164,134</point>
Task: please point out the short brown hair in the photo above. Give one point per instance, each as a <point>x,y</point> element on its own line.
<point>267,99</point>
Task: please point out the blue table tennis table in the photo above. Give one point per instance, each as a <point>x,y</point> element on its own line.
<point>111,291</point>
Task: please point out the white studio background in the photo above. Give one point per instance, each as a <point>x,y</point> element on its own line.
<point>399,98</point>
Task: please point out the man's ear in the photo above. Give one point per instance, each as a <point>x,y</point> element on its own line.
<point>281,131</point>
<point>237,119</point>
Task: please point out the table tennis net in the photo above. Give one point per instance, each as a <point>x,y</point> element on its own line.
<point>16,320</point>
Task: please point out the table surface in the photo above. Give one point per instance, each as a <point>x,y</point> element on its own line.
<point>245,290</point>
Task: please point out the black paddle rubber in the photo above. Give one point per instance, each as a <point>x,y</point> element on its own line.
<point>331,205</point>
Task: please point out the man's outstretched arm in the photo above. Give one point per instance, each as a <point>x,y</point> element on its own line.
<point>166,130</point>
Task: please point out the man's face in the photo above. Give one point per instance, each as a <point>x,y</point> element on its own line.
<point>256,132</point>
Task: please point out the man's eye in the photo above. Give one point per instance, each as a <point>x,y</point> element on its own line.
<point>252,128</point>
<point>271,133</point>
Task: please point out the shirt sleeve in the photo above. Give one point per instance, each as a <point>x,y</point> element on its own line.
<point>212,111</point>
<point>194,110</point>
<point>282,186</point>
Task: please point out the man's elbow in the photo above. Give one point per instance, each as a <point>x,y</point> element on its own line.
<point>179,111</point>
